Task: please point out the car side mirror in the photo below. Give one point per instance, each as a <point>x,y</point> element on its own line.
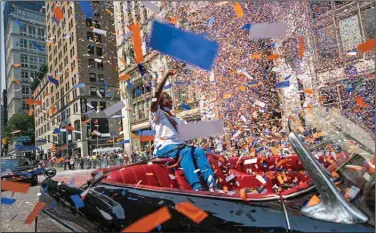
<point>49,172</point>
<point>333,206</point>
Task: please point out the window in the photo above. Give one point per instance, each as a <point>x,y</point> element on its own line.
<point>89,22</point>
<point>90,49</point>
<point>93,77</point>
<point>91,63</point>
<point>94,104</point>
<point>90,35</point>
<point>97,25</point>
<point>32,31</point>
<point>93,91</point>
<point>23,44</point>
<point>369,18</point>
<point>41,33</point>
<point>98,38</point>
<point>327,43</point>
<point>25,89</point>
<point>77,126</point>
<point>101,90</point>
<point>75,108</point>
<point>42,61</point>
<point>99,51</point>
<point>350,33</point>
<point>23,31</point>
<point>102,105</point>
<point>100,65</point>
<point>24,75</point>
<point>24,60</point>
<point>33,62</point>
<point>100,78</point>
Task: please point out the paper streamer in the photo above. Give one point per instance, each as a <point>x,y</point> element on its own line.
<point>149,222</point>
<point>35,212</point>
<point>238,10</point>
<point>152,7</point>
<point>191,211</point>
<point>137,43</point>
<point>186,46</point>
<point>200,129</point>
<point>86,8</point>
<point>99,31</point>
<point>109,111</point>
<point>16,187</point>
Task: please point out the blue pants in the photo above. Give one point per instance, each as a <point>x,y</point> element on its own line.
<point>188,165</point>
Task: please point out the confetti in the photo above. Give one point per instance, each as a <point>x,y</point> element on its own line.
<point>181,44</point>
<point>135,28</point>
<point>274,30</point>
<point>191,211</point>
<point>7,201</point>
<point>16,187</point>
<point>367,46</point>
<point>35,212</point>
<point>238,10</point>
<point>301,47</point>
<point>58,13</point>
<point>150,221</point>
<point>313,201</point>
<point>78,203</point>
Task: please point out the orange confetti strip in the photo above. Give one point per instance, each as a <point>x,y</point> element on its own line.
<point>301,46</point>
<point>242,194</point>
<point>31,102</point>
<point>173,20</point>
<point>149,222</point>
<point>256,56</point>
<point>124,77</point>
<point>238,10</point>
<point>16,65</point>
<point>281,162</point>
<point>367,46</point>
<point>360,101</point>
<point>308,91</point>
<point>70,128</point>
<point>335,174</point>
<point>274,150</point>
<point>35,212</point>
<point>53,109</point>
<point>110,12</point>
<point>313,201</point>
<point>59,14</point>
<point>16,187</point>
<point>322,98</point>
<point>273,56</point>
<point>191,211</point>
<point>242,88</point>
<point>227,96</point>
<point>137,42</point>
<point>85,122</point>
<point>280,180</point>
<point>123,61</point>
<point>30,113</point>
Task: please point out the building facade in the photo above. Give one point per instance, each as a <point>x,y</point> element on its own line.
<point>25,51</point>
<point>81,50</point>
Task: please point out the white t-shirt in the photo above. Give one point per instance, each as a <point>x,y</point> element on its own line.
<point>165,133</point>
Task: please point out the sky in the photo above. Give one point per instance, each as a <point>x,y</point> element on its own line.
<point>2,50</point>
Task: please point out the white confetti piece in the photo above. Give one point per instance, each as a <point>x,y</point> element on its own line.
<point>259,103</point>
<point>250,161</point>
<point>366,176</point>
<point>196,171</point>
<point>172,177</point>
<point>99,31</point>
<point>105,215</point>
<point>210,178</point>
<point>152,7</point>
<point>138,183</point>
<point>200,129</point>
<point>114,108</point>
<point>230,177</point>
<point>261,179</point>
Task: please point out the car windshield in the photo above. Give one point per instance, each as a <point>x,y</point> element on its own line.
<point>14,163</point>
<point>348,149</point>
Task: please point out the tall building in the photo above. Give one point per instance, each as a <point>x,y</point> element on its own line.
<point>81,50</point>
<point>25,50</point>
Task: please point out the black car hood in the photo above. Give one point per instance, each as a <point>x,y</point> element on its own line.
<point>19,169</point>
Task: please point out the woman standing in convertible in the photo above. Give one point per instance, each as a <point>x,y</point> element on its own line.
<point>168,143</point>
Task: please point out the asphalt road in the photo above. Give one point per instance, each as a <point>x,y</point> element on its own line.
<point>13,216</point>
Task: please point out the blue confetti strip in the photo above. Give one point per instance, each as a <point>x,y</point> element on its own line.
<point>247,26</point>
<point>78,203</point>
<point>168,86</point>
<point>7,201</point>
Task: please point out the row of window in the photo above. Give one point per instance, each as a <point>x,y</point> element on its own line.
<point>25,75</point>
<point>29,45</point>
<point>95,64</point>
<point>33,32</point>
<point>31,14</point>
<point>32,61</point>
<point>99,50</point>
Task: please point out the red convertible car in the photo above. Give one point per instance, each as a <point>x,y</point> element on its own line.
<point>308,191</point>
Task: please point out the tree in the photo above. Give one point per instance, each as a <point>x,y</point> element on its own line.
<point>21,122</point>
